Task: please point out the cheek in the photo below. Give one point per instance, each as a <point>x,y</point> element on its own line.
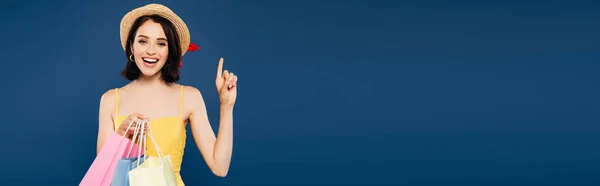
<point>164,54</point>
<point>137,50</point>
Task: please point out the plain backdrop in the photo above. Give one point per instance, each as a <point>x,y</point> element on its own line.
<point>334,92</point>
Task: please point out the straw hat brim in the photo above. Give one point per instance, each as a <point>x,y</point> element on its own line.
<point>156,9</point>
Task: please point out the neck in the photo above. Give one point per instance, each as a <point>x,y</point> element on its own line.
<point>150,81</point>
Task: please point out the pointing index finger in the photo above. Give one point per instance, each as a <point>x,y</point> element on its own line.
<point>220,68</point>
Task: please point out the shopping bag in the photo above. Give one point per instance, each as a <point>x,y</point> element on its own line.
<point>124,165</point>
<point>154,171</point>
<point>121,176</point>
<point>101,171</point>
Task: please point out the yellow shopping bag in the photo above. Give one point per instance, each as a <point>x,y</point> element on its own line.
<point>154,171</point>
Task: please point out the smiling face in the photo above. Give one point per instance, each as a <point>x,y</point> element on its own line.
<point>150,48</point>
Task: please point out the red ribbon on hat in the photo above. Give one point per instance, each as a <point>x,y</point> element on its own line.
<point>192,47</point>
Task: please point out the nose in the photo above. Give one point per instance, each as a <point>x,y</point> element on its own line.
<point>151,50</point>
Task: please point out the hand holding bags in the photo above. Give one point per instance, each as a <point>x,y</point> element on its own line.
<point>154,171</point>
<point>101,171</point>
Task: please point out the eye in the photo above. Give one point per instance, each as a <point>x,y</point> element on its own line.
<point>141,41</point>
<point>162,44</point>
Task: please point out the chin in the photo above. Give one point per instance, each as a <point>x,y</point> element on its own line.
<point>152,71</point>
<point>149,72</point>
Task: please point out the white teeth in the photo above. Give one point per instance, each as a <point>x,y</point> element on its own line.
<point>149,60</point>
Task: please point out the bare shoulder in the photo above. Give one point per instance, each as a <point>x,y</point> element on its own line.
<point>107,100</point>
<point>107,97</point>
<point>193,102</point>
<point>192,93</point>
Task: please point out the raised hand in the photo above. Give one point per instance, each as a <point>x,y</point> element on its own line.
<point>226,85</point>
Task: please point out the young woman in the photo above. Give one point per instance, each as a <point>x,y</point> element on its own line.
<point>155,39</point>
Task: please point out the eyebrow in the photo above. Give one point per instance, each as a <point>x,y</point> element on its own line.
<point>164,39</point>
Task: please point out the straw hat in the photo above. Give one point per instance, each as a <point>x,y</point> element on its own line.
<point>163,11</point>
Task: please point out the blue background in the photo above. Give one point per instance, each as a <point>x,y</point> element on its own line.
<point>334,92</point>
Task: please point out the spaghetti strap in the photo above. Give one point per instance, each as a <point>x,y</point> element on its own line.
<point>180,100</point>
<point>116,102</point>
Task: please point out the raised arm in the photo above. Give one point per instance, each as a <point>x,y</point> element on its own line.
<point>216,151</point>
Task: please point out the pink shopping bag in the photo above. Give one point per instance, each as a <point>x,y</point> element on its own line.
<point>102,169</point>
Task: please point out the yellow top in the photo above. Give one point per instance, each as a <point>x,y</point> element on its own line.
<point>169,133</point>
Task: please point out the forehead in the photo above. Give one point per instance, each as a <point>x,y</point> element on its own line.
<point>151,29</point>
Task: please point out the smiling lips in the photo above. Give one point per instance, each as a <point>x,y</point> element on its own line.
<point>149,60</point>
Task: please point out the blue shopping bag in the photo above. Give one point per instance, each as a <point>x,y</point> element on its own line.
<point>121,176</point>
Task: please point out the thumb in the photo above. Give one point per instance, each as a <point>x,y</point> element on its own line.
<point>227,84</point>
<point>225,87</point>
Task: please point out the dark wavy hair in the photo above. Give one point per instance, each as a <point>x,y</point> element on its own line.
<point>170,71</point>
